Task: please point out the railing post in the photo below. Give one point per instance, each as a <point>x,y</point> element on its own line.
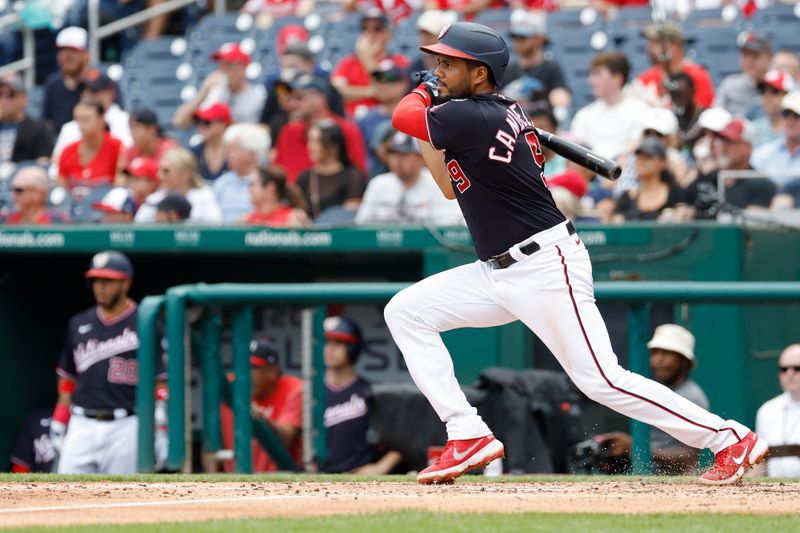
<point>242,331</point>
<point>176,379</point>
<point>212,374</point>
<point>147,356</point>
<point>639,362</point>
<point>94,25</point>
<point>320,392</point>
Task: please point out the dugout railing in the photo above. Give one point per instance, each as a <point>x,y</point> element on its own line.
<point>239,299</point>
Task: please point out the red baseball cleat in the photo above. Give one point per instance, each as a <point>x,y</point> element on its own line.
<point>731,463</point>
<point>460,456</point>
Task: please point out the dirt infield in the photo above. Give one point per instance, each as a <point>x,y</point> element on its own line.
<point>51,504</point>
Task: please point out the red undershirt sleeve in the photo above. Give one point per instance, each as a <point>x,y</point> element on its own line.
<point>409,115</point>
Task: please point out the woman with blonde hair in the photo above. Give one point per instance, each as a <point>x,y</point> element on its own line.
<point>177,172</point>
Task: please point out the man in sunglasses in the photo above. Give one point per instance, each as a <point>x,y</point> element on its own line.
<point>778,420</point>
<point>30,188</point>
<point>780,159</point>
<point>775,85</point>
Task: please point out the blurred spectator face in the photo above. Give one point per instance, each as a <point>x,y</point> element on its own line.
<point>258,192</point>
<point>788,62</point>
<point>683,94</point>
<point>143,134</point>
<point>293,65</point>
<point>649,165</point>
<point>116,218</point>
<point>407,166</point>
<point>234,71</point>
<point>264,379</point>
<point>29,188</point>
<point>239,159</point>
<point>790,378</point>
<point>603,82</point>
<point>754,64</point>
<point>106,97</point>
<point>209,129</point>
<point>771,100</point>
<point>12,103</point>
<point>658,52</point>
<point>525,46</point>
<point>141,187</point>
<point>733,154</point>
<point>317,150</point>
<point>376,32</point>
<point>667,366</point>
<point>791,125</point>
<point>309,102</point>
<point>72,61</point>
<point>90,121</point>
<point>173,178</point>
<point>335,354</point>
<point>391,89</point>
<point>167,217</point>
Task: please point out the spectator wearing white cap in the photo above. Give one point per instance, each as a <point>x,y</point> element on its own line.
<point>529,35</point>
<point>671,362</point>
<point>710,122</point>
<point>62,89</point>
<point>737,92</point>
<point>775,85</point>
<point>229,85</point>
<point>407,194</point>
<point>430,24</point>
<point>780,159</point>
<point>117,206</point>
<point>733,148</point>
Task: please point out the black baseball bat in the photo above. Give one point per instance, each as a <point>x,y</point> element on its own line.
<point>580,155</point>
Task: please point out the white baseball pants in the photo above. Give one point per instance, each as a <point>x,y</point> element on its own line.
<point>99,447</point>
<point>551,292</point>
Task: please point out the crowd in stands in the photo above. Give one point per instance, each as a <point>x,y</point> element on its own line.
<point>305,144</point>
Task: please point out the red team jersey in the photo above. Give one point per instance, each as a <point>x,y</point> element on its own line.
<point>284,406</point>
<point>351,69</point>
<point>99,171</point>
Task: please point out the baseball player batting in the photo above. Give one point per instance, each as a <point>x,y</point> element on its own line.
<point>94,425</point>
<point>484,152</point>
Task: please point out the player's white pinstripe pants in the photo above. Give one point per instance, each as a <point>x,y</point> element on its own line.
<point>99,447</point>
<point>551,292</point>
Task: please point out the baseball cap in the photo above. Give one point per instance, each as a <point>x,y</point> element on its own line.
<point>674,338</point>
<point>374,13</point>
<point>110,264</point>
<point>571,181</point>
<point>232,53</point>
<point>778,80</point>
<point>176,202</point>
<point>527,24</point>
<point>95,81</point>
<point>668,31</point>
<point>214,112</point>
<point>714,119</point>
<point>738,130</point>
<point>402,143</point>
<point>652,147</point>
<point>73,37</point>
<point>661,120</point>
<point>309,81</point>
<point>116,200</point>
<point>291,34</point>
<point>748,40</point>
<point>145,116</point>
<point>263,352</point>
<point>143,167</point>
<point>433,21</point>
<point>391,70</point>
<point>13,82</point>
<point>791,102</point>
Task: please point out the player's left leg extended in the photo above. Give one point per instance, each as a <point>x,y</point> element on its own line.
<point>552,292</point>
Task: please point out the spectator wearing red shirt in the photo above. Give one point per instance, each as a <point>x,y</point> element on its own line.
<point>312,106</point>
<point>148,140</point>
<point>352,76</point>
<point>277,400</point>
<point>97,157</point>
<point>30,187</point>
<point>276,203</point>
<point>467,8</point>
<point>665,45</point>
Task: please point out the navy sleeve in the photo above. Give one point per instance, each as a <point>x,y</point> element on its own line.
<point>66,365</point>
<point>454,124</point>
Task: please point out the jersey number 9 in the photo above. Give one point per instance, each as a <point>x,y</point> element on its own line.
<point>458,176</point>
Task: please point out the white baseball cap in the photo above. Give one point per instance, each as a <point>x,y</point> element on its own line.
<point>434,20</point>
<point>73,37</point>
<point>661,120</point>
<point>714,119</point>
<point>791,101</point>
<point>674,338</point>
<point>527,23</point>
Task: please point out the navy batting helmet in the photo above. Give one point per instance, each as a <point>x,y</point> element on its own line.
<point>339,328</point>
<point>110,265</point>
<point>477,42</point>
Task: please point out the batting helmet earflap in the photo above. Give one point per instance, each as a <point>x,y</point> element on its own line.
<point>342,329</point>
<point>477,42</point>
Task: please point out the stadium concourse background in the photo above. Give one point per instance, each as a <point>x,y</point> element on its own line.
<point>41,285</point>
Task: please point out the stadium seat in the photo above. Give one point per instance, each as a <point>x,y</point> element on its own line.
<point>708,18</point>
<point>629,21</point>
<point>565,20</point>
<point>81,208</point>
<point>785,37</point>
<point>776,15</point>
<point>498,19</point>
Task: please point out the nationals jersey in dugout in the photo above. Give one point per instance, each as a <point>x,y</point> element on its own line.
<point>346,423</point>
<point>496,165</point>
<point>100,357</point>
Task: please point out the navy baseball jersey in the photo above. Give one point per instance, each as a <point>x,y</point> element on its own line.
<point>496,164</point>
<point>34,450</point>
<point>346,423</point>
<point>100,356</point>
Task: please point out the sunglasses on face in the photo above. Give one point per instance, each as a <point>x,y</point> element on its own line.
<point>770,90</point>
<point>785,369</point>
<point>387,78</point>
<point>786,113</point>
<point>18,190</point>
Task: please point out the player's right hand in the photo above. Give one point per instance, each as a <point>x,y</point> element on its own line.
<point>429,83</point>
<point>58,431</point>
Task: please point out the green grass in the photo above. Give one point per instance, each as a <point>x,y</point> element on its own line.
<point>339,478</point>
<point>468,523</point>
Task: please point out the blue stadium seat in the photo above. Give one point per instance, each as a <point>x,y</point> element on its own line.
<point>629,21</point>
<point>708,18</point>
<point>564,20</point>
<point>785,37</point>
<point>81,211</point>
<point>774,16</point>
<point>498,19</point>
